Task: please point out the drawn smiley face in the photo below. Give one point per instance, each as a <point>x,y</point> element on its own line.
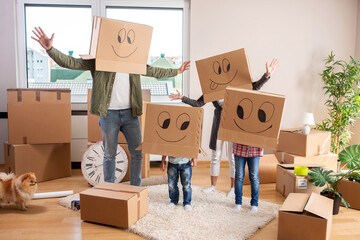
<point>224,73</point>
<point>259,114</point>
<point>167,122</point>
<point>125,37</point>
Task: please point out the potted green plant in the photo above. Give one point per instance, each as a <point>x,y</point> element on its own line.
<point>320,177</point>
<point>342,85</point>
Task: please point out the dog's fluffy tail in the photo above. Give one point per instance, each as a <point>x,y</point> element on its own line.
<point>5,177</point>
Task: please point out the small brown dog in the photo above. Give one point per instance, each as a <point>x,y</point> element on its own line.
<point>18,190</point>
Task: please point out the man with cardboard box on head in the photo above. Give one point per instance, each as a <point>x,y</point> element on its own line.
<point>116,96</point>
<point>230,61</point>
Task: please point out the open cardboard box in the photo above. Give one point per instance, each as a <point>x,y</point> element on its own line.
<point>172,130</point>
<point>39,116</point>
<point>119,46</point>
<point>350,191</point>
<point>287,182</point>
<point>295,142</point>
<point>251,117</point>
<point>47,161</point>
<point>118,205</point>
<point>305,217</point>
<point>329,161</point>
<point>223,70</point>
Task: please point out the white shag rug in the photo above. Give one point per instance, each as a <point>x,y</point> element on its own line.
<point>212,216</point>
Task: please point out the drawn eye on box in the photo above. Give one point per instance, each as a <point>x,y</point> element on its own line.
<point>165,120</point>
<point>127,40</point>
<point>224,74</point>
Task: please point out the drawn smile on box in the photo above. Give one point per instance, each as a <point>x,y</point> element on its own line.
<point>182,123</point>
<point>218,69</point>
<point>264,114</point>
<point>130,37</point>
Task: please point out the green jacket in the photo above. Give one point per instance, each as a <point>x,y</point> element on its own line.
<point>103,82</point>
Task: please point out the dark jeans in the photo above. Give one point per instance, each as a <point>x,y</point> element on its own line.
<point>185,173</point>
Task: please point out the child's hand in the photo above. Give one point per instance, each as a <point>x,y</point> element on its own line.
<point>193,162</point>
<point>162,166</point>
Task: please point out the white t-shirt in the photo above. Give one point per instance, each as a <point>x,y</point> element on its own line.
<point>120,94</point>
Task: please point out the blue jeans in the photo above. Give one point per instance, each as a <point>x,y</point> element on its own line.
<point>115,121</point>
<point>185,173</point>
<point>253,165</point>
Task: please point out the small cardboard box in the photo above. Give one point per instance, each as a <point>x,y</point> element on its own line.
<point>287,182</point>
<point>328,160</point>
<point>350,191</point>
<point>39,116</point>
<point>118,205</point>
<point>223,70</point>
<point>251,117</point>
<point>47,161</point>
<point>295,142</point>
<point>305,216</point>
<point>94,130</point>
<point>119,46</point>
<point>173,130</point>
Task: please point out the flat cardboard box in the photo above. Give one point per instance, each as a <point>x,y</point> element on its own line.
<point>251,117</point>
<point>267,170</point>
<point>119,46</point>
<point>223,70</point>
<point>295,142</point>
<point>47,161</point>
<point>172,130</point>
<point>145,167</point>
<point>328,160</point>
<point>94,130</point>
<point>287,182</point>
<point>350,191</point>
<point>39,116</point>
<point>305,216</point>
<point>118,205</point>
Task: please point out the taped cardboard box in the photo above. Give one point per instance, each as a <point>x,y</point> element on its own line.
<point>267,170</point>
<point>94,130</point>
<point>47,161</point>
<point>329,161</point>
<point>350,191</point>
<point>145,167</point>
<point>295,142</point>
<point>172,130</point>
<point>39,116</point>
<point>119,46</point>
<point>305,216</point>
<point>287,182</point>
<point>251,117</point>
<point>118,205</point>
<point>223,70</point>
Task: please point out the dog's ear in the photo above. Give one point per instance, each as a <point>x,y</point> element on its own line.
<point>24,177</point>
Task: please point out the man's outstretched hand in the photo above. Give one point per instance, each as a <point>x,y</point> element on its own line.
<point>44,41</point>
<point>185,66</point>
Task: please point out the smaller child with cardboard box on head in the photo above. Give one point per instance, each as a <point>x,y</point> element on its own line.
<point>179,166</point>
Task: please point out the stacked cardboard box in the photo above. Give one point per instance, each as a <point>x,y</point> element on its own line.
<point>94,134</point>
<point>113,204</point>
<point>39,127</point>
<point>296,148</point>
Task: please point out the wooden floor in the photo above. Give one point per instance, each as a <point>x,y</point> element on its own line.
<point>45,219</point>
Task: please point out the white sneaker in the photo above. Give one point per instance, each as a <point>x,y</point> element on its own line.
<point>170,205</point>
<point>237,207</point>
<point>253,209</point>
<point>231,193</point>
<point>209,189</point>
<point>188,207</point>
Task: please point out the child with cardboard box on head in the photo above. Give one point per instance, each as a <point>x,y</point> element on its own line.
<point>179,167</point>
<point>116,60</point>
<point>210,68</point>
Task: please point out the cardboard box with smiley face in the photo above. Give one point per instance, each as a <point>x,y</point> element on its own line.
<point>119,46</point>
<point>251,117</point>
<point>172,130</point>
<point>220,71</point>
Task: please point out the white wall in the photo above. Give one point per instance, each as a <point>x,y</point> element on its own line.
<point>301,33</point>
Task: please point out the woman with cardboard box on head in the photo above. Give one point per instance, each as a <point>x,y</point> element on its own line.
<point>216,145</point>
<point>116,97</point>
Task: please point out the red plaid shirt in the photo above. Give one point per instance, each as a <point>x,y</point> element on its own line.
<point>247,151</point>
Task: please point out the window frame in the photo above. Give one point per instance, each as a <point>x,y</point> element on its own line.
<point>98,8</point>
